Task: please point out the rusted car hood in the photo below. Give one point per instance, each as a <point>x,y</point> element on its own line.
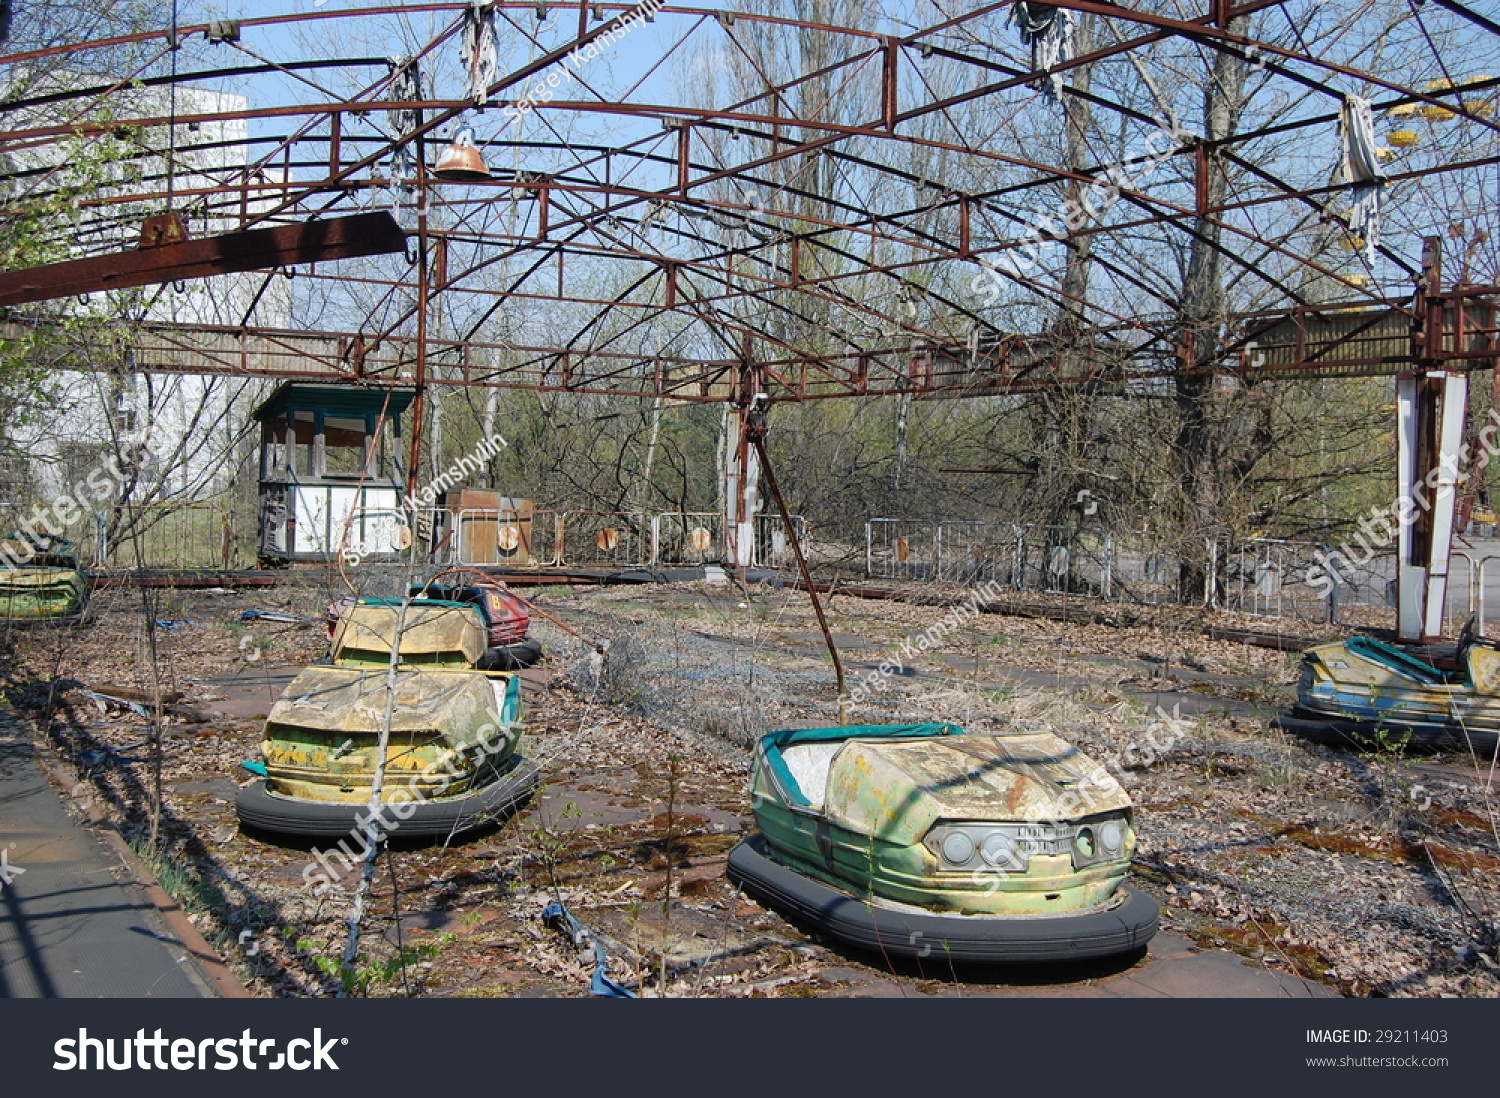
<point>897,791</point>
<point>40,577</point>
<point>353,700</point>
<point>28,594</point>
<point>441,633</point>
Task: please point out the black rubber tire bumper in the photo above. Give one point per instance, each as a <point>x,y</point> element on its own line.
<point>262,810</point>
<point>1348,732</point>
<point>511,657</point>
<point>963,939</point>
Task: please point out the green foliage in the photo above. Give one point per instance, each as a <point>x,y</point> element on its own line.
<point>369,975</point>
<point>37,215</point>
<point>365,975</point>
<point>1381,742</point>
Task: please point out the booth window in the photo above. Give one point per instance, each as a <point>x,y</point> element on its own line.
<point>301,458</point>
<point>344,445</point>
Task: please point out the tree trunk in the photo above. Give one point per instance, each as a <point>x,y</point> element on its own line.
<point>1204,425</point>
<point>1066,423</point>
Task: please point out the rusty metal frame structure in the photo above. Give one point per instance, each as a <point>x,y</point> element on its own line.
<point>670,310</point>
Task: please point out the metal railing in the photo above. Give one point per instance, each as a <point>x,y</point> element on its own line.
<point>1272,578</point>
<point>687,537</point>
<point>773,549</point>
<point>477,538</point>
<point>616,539</point>
<point>190,536</point>
<point>1022,557</point>
<point>1261,577</point>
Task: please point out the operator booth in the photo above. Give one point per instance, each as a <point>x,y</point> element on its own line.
<point>331,472</point>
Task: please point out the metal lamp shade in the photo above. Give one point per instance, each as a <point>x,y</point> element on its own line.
<point>461,161</point>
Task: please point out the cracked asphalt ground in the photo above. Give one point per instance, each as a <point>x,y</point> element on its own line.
<point>1281,867</point>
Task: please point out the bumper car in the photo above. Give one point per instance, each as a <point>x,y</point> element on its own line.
<point>923,841</point>
<point>41,579</point>
<point>452,608</point>
<point>1364,693</point>
<point>451,762</point>
<point>508,619</point>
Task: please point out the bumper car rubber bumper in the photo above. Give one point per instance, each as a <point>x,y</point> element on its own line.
<point>262,810</point>
<point>963,939</point>
<point>1342,731</point>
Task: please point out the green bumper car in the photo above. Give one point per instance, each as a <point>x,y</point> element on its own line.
<point>41,579</point>
<point>924,841</point>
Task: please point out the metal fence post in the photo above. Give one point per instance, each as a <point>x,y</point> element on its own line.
<point>1330,600</point>
<point>1208,578</point>
<point>1107,579</point>
<point>1476,589</point>
<point>1479,610</point>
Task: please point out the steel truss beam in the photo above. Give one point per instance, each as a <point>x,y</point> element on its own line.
<point>834,290</point>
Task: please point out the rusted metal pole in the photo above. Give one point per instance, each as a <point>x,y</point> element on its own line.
<point>755,432</point>
<point>423,289</point>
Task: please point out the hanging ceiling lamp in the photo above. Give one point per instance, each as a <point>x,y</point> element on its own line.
<point>461,161</point>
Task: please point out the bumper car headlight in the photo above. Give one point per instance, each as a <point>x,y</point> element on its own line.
<point>1003,852</point>
<point>986,846</point>
<point>1098,841</point>
<point>957,848</point>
